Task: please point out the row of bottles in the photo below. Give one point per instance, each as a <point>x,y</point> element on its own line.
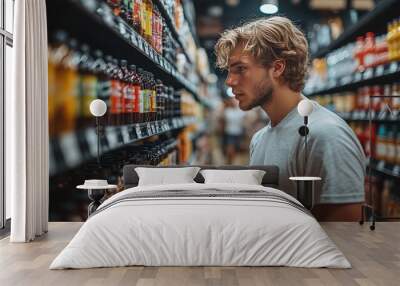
<point>69,205</point>
<point>382,100</point>
<point>77,75</point>
<point>380,141</point>
<point>383,195</point>
<point>159,152</point>
<point>145,18</point>
<point>393,39</point>
<point>368,51</point>
<point>175,11</point>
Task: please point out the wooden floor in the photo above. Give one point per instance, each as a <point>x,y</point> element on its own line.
<point>374,255</point>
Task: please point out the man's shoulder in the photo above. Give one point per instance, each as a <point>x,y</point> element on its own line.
<point>326,123</point>
<point>257,137</point>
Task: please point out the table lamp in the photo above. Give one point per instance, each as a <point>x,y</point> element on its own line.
<point>305,108</point>
<point>98,108</point>
<point>305,185</point>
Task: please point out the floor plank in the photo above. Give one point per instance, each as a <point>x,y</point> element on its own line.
<point>374,255</point>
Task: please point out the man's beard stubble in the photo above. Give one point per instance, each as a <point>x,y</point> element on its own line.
<point>263,96</point>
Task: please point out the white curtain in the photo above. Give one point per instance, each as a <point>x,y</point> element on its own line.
<point>27,124</point>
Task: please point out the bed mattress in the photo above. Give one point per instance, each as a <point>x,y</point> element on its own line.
<point>201,225</point>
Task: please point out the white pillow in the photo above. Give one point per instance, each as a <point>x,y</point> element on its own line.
<point>248,177</point>
<point>163,176</point>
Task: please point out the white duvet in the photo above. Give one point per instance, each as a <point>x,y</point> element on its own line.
<point>200,231</point>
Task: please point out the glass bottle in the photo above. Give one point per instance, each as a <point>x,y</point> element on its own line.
<point>116,93</point>
<point>136,83</point>
<point>126,97</point>
<point>88,81</point>
<point>152,95</point>
<point>137,15</point>
<point>68,86</point>
<point>142,96</point>
<point>115,6</point>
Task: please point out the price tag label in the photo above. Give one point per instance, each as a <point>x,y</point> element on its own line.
<point>70,149</point>
<point>357,77</point>
<point>132,133</point>
<point>393,67</point>
<point>122,29</point>
<point>368,73</point>
<point>120,138</point>
<point>331,84</point>
<point>138,131</point>
<point>381,165</point>
<point>379,70</point>
<point>125,134</point>
<point>149,131</point>
<point>345,80</point>
<point>134,39</point>
<point>140,46</point>
<point>112,138</point>
<point>91,138</point>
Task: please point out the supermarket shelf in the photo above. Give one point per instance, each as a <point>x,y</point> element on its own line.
<point>376,118</point>
<point>384,10</point>
<point>190,23</point>
<point>72,149</point>
<point>172,27</point>
<point>122,41</point>
<point>385,168</point>
<point>369,76</point>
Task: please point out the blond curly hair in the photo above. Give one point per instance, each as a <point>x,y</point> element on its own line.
<point>269,39</point>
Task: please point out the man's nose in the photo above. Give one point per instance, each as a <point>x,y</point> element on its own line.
<point>230,81</point>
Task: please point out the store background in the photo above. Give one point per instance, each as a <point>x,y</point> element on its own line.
<point>169,108</point>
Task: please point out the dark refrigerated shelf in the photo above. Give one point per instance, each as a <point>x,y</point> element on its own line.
<point>190,21</point>
<point>379,74</point>
<point>70,150</point>
<point>385,168</point>
<point>375,118</point>
<point>384,11</point>
<point>113,36</point>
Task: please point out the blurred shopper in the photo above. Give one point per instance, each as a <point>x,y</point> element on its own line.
<point>267,61</point>
<point>232,122</point>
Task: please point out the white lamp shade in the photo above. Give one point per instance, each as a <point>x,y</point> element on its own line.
<point>98,107</point>
<point>305,107</point>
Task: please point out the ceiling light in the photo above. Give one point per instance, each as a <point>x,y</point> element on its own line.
<point>232,3</point>
<point>269,6</point>
<point>215,11</point>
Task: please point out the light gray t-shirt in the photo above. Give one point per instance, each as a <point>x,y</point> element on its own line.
<point>334,154</point>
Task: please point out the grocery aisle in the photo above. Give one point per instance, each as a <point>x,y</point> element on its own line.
<point>152,62</point>
<point>356,76</point>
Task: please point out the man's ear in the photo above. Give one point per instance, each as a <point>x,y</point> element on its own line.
<point>278,67</point>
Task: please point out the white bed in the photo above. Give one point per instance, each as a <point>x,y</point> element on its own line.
<point>225,225</point>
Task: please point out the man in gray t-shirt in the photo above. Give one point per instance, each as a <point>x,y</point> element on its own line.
<point>267,61</point>
<point>334,154</point>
